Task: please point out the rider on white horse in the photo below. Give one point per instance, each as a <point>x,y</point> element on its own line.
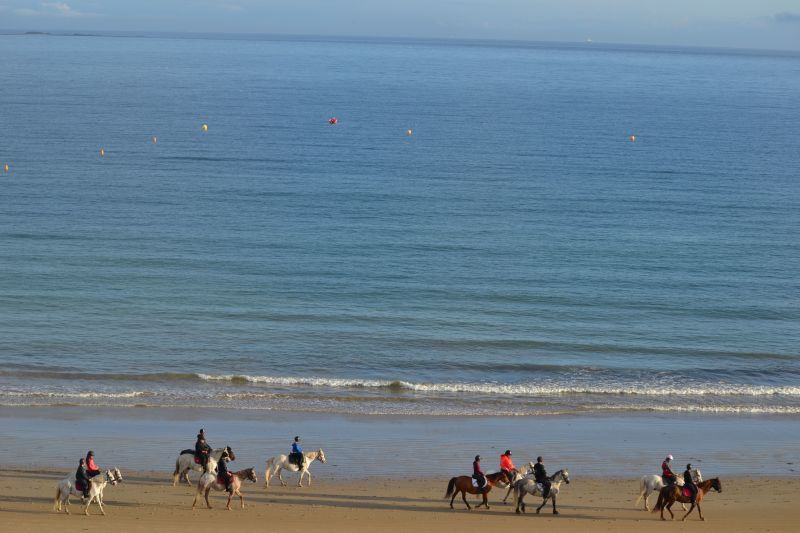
<point>223,473</point>
<point>667,475</point>
<point>540,474</point>
<point>202,449</point>
<point>82,478</point>
<point>297,453</point>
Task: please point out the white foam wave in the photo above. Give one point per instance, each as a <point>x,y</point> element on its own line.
<point>75,395</point>
<point>515,389</point>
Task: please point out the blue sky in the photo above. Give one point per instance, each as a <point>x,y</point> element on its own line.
<point>728,23</point>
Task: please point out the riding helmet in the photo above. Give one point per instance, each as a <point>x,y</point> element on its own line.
<point>477,457</point>
<point>508,452</point>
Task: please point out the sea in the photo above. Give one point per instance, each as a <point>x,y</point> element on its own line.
<point>490,228</point>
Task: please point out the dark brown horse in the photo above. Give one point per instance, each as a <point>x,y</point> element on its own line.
<point>463,484</point>
<point>669,495</point>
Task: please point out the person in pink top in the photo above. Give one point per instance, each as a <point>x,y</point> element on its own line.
<point>91,466</point>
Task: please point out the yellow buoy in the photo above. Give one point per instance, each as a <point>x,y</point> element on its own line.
<point>205,127</point>
<point>6,167</point>
<point>155,139</point>
<point>409,132</point>
<point>102,152</point>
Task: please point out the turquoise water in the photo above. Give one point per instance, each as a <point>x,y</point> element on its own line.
<point>516,254</point>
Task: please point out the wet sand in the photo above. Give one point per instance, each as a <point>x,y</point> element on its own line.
<point>148,502</point>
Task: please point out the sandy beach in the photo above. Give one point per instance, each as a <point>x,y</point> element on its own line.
<point>148,502</point>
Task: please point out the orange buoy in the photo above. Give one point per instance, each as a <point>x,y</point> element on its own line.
<point>333,121</point>
<point>632,138</point>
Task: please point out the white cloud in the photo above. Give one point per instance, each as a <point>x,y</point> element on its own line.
<point>52,9</point>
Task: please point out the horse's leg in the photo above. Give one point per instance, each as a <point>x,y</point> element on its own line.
<point>100,504</point>
<point>700,512</point>
<point>194,502</point>
<point>555,511</point>
<point>186,477</point>
<point>669,508</point>
<point>455,493</point>
<point>521,500</point>
<point>88,503</point>
<point>510,488</point>
<point>309,477</point>
<point>300,481</point>
<point>544,502</point>
<point>688,513</point>
<point>645,494</point>
<point>485,501</point>
<point>208,489</point>
<point>228,505</point>
<point>280,470</point>
<point>464,497</point>
<point>241,498</point>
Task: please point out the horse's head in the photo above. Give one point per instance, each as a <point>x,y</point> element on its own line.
<point>111,477</point>
<point>564,474</point>
<point>321,456</point>
<point>117,475</point>
<point>229,452</point>
<point>716,484</point>
<point>251,475</point>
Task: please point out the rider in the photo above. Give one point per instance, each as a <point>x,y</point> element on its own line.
<point>202,449</point>
<point>667,475</point>
<point>223,473</point>
<point>541,476</point>
<point>477,474</point>
<point>91,466</point>
<point>82,475</point>
<point>688,482</point>
<point>297,453</point>
<point>506,464</point>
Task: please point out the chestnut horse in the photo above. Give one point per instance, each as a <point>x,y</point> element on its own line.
<point>463,484</point>
<point>669,495</point>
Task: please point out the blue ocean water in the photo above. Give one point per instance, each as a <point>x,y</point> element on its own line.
<point>517,253</point>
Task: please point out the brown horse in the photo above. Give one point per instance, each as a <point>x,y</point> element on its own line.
<point>209,481</point>
<point>669,495</point>
<point>463,484</point>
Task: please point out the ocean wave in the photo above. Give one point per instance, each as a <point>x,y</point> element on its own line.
<point>77,395</point>
<point>511,389</point>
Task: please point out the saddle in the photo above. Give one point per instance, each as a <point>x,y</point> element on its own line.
<point>197,460</point>
<point>221,480</point>
<point>476,485</point>
<point>79,485</point>
<point>687,493</point>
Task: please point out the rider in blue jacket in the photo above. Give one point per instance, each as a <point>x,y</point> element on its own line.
<point>297,453</point>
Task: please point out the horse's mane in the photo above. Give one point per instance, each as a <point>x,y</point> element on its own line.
<point>495,475</point>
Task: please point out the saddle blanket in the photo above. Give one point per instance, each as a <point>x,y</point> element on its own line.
<point>79,485</point>
<point>475,483</point>
<point>686,492</point>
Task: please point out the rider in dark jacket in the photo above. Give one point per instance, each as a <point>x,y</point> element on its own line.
<point>297,456</point>
<point>688,482</point>
<point>202,450</point>
<point>541,476</point>
<point>82,476</point>
<point>477,474</point>
<point>223,473</point>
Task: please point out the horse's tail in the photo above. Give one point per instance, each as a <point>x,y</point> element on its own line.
<point>661,500</point>
<point>177,466</point>
<point>57,498</point>
<point>450,488</point>
<point>642,490</point>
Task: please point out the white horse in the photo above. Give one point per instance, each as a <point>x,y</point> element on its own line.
<point>654,483</point>
<point>522,471</point>
<point>67,487</point>
<point>281,462</point>
<point>528,485</point>
<point>187,462</point>
<point>209,481</point>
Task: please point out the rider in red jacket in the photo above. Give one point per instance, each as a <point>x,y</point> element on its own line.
<point>666,471</point>
<point>506,464</point>
<point>477,474</point>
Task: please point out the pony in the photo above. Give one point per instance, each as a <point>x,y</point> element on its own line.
<point>522,471</point>
<point>186,462</point>
<point>281,462</point>
<point>654,483</point>
<point>528,486</point>
<point>67,487</point>
<point>669,495</point>
<point>210,481</point>
<point>463,484</point>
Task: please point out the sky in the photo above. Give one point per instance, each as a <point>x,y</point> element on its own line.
<point>769,24</point>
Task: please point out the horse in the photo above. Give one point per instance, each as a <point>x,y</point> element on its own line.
<point>281,462</point>
<point>529,486</point>
<point>522,471</point>
<point>463,484</point>
<point>669,495</point>
<point>210,481</point>
<point>67,487</point>
<point>654,483</point>
<point>186,461</point>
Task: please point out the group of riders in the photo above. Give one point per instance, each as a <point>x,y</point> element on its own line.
<point>507,466</point>
<point>87,469</point>
<point>670,479</point>
<point>202,451</point>
<point>540,474</point>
